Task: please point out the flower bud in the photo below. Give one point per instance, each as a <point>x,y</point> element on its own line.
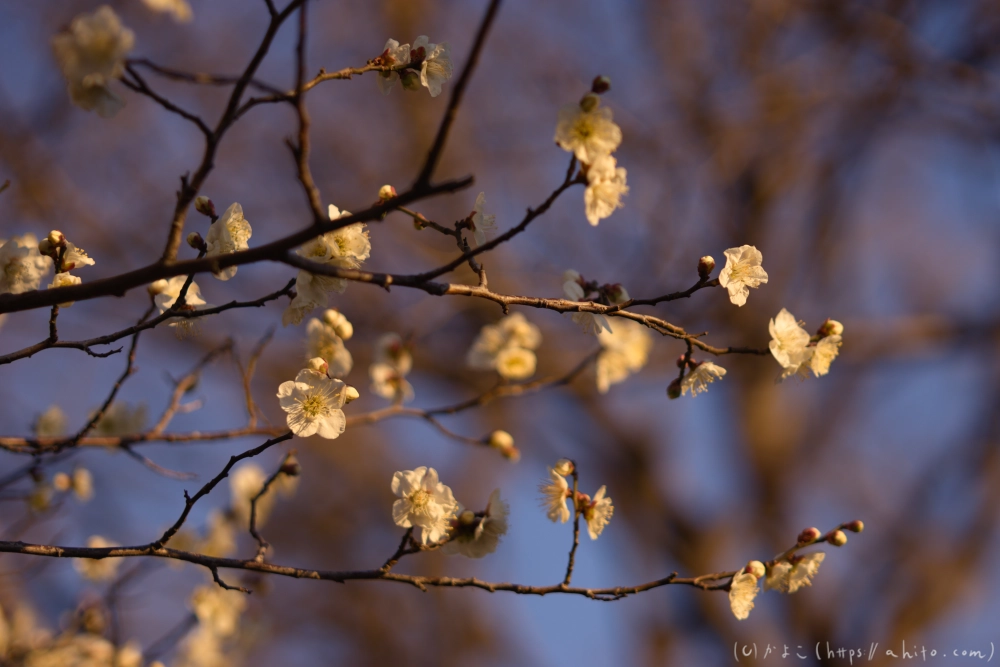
<point>674,389</point>
<point>56,238</point>
<point>500,440</point>
<point>809,535</point>
<point>44,247</point>
<point>756,568</point>
<point>837,538</point>
<point>205,206</point>
<point>830,328</point>
<point>336,321</point>
<point>590,102</point>
<point>705,266</point>
<point>351,394</point>
<point>291,467</point>
<point>318,364</point>
<point>466,519</point>
<point>410,79</point>
<point>563,467</point>
<point>157,287</point>
<point>61,482</point>
<point>617,294</point>
<point>83,484</point>
<point>386,192</point>
<point>195,241</point>
<point>601,85</point>
<point>855,526</point>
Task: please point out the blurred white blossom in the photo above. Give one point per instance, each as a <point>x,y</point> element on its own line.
<point>587,134</point>
<point>786,577</point>
<point>218,609</point>
<point>698,379</point>
<point>554,494</point>
<point>476,536</point>
<point>591,323</point>
<point>21,265</point>
<point>605,189</point>
<point>51,423</point>
<point>121,419</point>
<point>624,350</point>
<point>229,234</point>
<point>180,9</point>
<point>506,347</point>
<point>322,341</point>
<point>167,293</point>
<point>598,513</point>
<point>482,223</point>
<point>91,53</point>
<point>742,591</point>
<point>435,63</point>
<point>97,569</point>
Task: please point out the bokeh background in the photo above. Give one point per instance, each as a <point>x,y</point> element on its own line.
<point>854,143</point>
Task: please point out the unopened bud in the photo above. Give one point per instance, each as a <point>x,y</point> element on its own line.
<point>756,568</point>
<point>682,361</point>
<point>590,102</point>
<point>837,538</point>
<point>563,467</point>
<point>205,206</point>
<point>157,287</point>
<point>195,241</point>
<point>855,526</point>
<point>291,467</point>
<point>318,364</point>
<point>830,328</point>
<point>351,394</point>
<point>336,321</point>
<point>705,266</point>
<point>809,535</point>
<point>674,389</point>
<point>410,79</point>
<point>601,85</point>
<point>56,238</point>
<point>467,518</point>
<point>386,192</point>
<point>61,482</point>
<point>44,247</point>
<point>616,294</point>
<point>500,440</point>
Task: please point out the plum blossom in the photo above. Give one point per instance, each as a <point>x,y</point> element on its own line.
<point>555,492</point>
<point>322,341</point>
<point>313,402</point>
<point>21,265</point>
<point>476,535</point>
<point>423,503</point>
<point>598,513</point>
<point>435,63</point>
<point>121,419</point>
<point>788,577</point>
<point>227,235</point>
<point>698,379</point>
<point>742,591</point>
<point>168,291</point>
<point>624,350</point>
<point>796,351</point>
<point>824,353</point>
<point>481,223</point>
<point>218,609</point>
<point>605,189</point>
<point>591,323</point>
<point>393,362</point>
<point>90,54</point>
<point>97,569</point>
<point>51,423</point>
<point>742,271</point>
<point>588,134</point>
<point>394,55</point>
<point>506,347</point>
<point>246,482</point>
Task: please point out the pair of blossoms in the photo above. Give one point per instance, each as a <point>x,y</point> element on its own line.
<point>24,260</point>
<point>422,64</point>
<point>785,575</point>
<point>557,493</point>
<point>588,132</point>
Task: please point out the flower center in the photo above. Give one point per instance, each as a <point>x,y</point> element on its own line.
<point>313,406</point>
<point>420,500</point>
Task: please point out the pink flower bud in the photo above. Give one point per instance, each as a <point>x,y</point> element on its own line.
<point>195,241</point>
<point>809,535</point>
<point>705,266</point>
<point>601,85</point>
<point>855,526</point>
<point>205,206</point>
<point>386,192</point>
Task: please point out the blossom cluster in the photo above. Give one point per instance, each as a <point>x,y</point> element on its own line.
<point>588,131</point>
<point>577,288</point>
<point>393,361</point>
<point>506,347</point>
<point>422,64</point>
<point>556,493</point>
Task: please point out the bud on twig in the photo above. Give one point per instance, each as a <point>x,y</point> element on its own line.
<point>351,394</point>
<point>291,466</point>
<point>674,389</point>
<point>601,85</point>
<point>564,467</point>
<point>386,192</point>
<point>830,328</point>
<point>809,535</point>
<point>855,526</point>
<point>590,102</point>
<point>705,266</point>
<point>319,365</point>
<point>195,241</point>
<point>56,238</point>
<point>756,568</point>
<point>205,206</point>
<point>837,538</point>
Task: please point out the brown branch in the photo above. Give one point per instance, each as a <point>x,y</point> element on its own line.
<point>140,86</point>
<point>262,544</point>
<point>571,561</point>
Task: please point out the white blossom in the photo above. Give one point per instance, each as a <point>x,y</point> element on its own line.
<point>823,354</point>
<point>168,293</point>
<point>789,343</point>
<point>391,349</point>
<point>75,257</point>
<point>395,55</point>
<point>554,494</point>
<point>51,423</point>
<point>227,235</point>
<point>605,189</point>
<point>587,134</point>
<point>310,293</point>
<point>313,403</point>
<point>476,536</point>
<point>218,609</point>
<point>598,513</point>
<point>436,67</point>
<point>220,536</point>
<point>591,323</point>
<point>742,271</point>
<point>246,482</point>
<point>322,341</point>
<point>513,332</point>
<point>180,9</point>
<point>65,279</point>
<point>742,590</point>
<point>515,363</point>
<point>90,54</point>
<point>786,577</point>
<point>21,265</point>
<point>337,321</point>
<point>624,350</point>
<point>424,502</point>
<point>201,648</point>
<point>704,374</point>
<point>389,383</point>
<point>97,569</point>
<point>482,223</point>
